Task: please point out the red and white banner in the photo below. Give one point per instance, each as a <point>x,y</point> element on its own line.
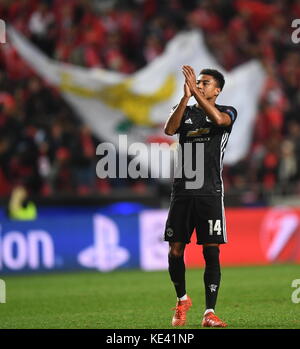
<point>256,237</point>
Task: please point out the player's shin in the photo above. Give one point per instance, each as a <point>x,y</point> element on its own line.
<point>212,275</point>
<point>177,273</point>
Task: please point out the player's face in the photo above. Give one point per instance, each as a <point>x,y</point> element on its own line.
<point>207,86</point>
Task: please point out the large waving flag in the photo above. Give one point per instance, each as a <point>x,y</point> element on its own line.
<point>138,105</point>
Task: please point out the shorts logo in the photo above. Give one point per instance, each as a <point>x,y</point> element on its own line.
<point>169,232</point>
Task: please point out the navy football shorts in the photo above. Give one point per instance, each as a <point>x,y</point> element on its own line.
<point>205,213</point>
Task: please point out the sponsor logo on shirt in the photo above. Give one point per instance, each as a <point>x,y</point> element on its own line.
<point>198,132</point>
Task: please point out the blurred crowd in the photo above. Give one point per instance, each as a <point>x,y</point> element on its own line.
<point>44,146</point>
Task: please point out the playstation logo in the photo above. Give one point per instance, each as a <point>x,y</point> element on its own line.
<point>106,254</point>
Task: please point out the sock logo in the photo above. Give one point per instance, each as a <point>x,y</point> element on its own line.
<point>213,287</point>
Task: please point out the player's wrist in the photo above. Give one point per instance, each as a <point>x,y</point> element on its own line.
<point>185,98</point>
<point>193,89</point>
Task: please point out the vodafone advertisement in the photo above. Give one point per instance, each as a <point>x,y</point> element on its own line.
<point>256,236</point>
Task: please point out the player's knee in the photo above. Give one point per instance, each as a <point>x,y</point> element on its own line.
<point>211,254</point>
<point>176,252</point>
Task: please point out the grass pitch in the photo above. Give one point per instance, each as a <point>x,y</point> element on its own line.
<point>249,298</point>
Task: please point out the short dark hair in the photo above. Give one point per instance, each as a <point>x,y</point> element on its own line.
<point>216,75</point>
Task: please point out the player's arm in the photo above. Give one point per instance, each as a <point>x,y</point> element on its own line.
<point>175,117</point>
<point>216,116</point>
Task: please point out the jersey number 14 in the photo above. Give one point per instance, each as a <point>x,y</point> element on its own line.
<point>215,226</point>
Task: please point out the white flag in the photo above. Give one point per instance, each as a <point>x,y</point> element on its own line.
<point>138,104</point>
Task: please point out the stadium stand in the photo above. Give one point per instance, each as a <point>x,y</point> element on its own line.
<point>45,147</point>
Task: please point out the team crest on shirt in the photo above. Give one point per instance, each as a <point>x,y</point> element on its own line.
<point>169,232</point>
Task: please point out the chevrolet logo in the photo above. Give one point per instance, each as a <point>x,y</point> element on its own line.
<point>198,132</point>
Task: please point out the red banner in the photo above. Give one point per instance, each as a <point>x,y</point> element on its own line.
<point>256,236</point>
